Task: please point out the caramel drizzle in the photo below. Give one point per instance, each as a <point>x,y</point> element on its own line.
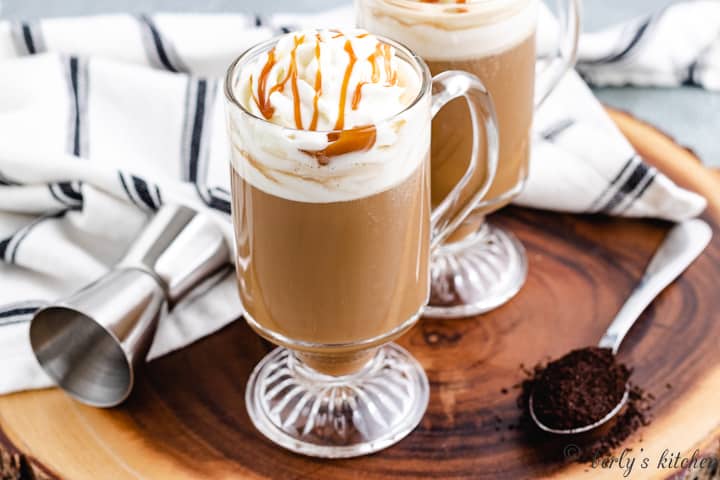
<point>340,142</point>
<point>385,52</point>
<point>359,139</point>
<point>318,85</point>
<point>263,98</point>
<point>357,95</point>
<point>294,83</point>
<point>373,61</point>
<point>263,101</point>
<point>345,84</point>
<point>390,75</point>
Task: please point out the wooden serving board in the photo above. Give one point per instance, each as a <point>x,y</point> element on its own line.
<point>187,417</point>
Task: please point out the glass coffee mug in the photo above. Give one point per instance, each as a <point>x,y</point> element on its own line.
<point>480,266</point>
<point>334,280</point>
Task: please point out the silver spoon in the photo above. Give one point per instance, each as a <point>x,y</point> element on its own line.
<point>682,245</point>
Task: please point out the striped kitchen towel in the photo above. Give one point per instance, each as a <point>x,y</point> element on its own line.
<point>103,119</point>
<point>680,45</point>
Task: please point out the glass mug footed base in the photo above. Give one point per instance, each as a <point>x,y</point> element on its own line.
<point>327,416</point>
<point>476,275</point>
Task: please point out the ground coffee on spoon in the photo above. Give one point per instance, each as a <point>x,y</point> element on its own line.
<point>581,388</point>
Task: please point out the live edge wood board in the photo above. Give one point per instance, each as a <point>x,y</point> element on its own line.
<point>187,416</point>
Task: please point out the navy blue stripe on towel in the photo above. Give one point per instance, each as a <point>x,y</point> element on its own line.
<point>130,196</point>
<point>218,203</point>
<point>141,188</point>
<point>616,57</point>
<point>3,248</point>
<point>69,190</point>
<point>77,74</point>
<point>160,48</point>
<point>636,177</point>
<point>19,312</point>
<point>28,37</point>
<point>197,129</point>
<point>9,246</point>
<point>600,199</point>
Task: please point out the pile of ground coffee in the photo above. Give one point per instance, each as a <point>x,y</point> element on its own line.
<point>635,414</point>
<point>580,388</point>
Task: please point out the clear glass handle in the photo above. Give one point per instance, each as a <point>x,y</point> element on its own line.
<point>569,18</point>
<point>448,86</point>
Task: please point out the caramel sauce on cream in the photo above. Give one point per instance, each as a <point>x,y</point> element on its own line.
<point>340,141</point>
<point>318,85</point>
<point>360,139</point>
<point>263,100</point>
<point>373,62</point>
<point>389,72</point>
<point>340,123</point>
<point>357,95</point>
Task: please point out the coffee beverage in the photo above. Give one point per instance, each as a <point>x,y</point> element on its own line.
<point>479,266</point>
<point>509,77</point>
<point>332,228</point>
<point>496,42</point>
<point>330,135</point>
<point>336,272</point>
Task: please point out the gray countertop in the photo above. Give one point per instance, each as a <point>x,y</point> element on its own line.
<point>689,114</point>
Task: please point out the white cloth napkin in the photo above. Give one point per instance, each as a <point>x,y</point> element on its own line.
<point>105,118</point>
<point>679,45</point>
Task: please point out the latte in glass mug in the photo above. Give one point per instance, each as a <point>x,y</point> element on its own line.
<point>483,266</point>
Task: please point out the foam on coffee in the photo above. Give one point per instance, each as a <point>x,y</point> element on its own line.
<point>477,28</point>
<point>342,98</point>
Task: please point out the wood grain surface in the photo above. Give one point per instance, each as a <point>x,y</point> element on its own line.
<point>187,417</point>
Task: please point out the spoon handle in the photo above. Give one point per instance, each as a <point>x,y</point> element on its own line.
<point>680,248</point>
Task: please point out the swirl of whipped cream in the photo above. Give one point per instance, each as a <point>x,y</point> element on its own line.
<point>341,117</point>
<point>447,30</point>
<point>327,80</point>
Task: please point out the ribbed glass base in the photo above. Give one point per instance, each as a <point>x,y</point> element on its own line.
<point>337,417</point>
<point>476,275</point>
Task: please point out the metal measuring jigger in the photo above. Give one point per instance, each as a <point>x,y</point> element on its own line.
<point>91,343</point>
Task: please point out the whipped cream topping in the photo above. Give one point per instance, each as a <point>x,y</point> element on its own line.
<point>331,117</point>
<point>327,80</point>
<point>445,30</point>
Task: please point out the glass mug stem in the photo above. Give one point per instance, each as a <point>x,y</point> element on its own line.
<point>336,364</point>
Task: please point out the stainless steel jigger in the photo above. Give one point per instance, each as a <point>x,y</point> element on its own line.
<point>91,343</point>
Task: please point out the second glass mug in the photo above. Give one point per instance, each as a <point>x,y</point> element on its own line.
<point>480,266</point>
<point>333,283</point>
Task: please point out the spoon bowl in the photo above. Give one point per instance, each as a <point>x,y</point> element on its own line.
<point>584,429</point>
